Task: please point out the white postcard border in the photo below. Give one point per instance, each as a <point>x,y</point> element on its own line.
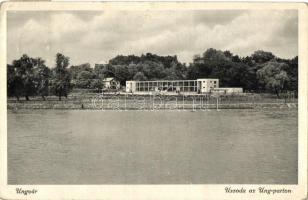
<point>208,191</point>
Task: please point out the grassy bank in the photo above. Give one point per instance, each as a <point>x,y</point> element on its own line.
<point>147,102</point>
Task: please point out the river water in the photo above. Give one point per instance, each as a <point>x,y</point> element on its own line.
<point>161,147</point>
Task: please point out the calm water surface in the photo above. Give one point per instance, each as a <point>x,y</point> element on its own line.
<point>163,147</point>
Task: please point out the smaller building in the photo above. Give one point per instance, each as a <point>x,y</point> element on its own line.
<point>130,86</point>
<point>111,83</point>
<point>206,85</point>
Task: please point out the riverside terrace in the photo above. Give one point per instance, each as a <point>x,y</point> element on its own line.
<point>199,86</point>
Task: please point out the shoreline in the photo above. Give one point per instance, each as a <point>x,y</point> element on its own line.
<point>88,106</point>
<point>130,102</point>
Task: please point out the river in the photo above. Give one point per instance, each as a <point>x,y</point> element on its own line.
<point>144,147</point>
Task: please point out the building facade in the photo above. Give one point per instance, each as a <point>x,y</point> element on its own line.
<point>111,83</point>
<point>172,86</point>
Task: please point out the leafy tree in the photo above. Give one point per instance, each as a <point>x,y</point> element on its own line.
<point>262,70</point>
<point>177,71</point>
<point>104,71</point>
<point>84,79</point>
<point>248,60</point>
<point>24,79</point>
<point>132,70</point>
<point>126,67</point>
<point>42,75</point>
<point>225,66</point>
<point>121,73</point>
<point>193,71</point>
<point>292,71</point>
<point>262,56</point>
<point>152,70</point>
<point>236,59</point>
<point>166,61</point>
<point>228,54</point>
<point>273,77</point>
<point>139,76</point>
<point>197,59</point>
<point>291,68</point>
<point>61,77</point>
<point>213,54</point>
<point>28,76</point>
<point>77,69</point>
<point>98,70</point>
<point>124,60</point>
<point>96,84</point>
<point>14,83</point>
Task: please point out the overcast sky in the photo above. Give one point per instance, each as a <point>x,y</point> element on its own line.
<point>96,37</point>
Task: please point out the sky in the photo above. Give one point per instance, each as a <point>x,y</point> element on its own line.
<point>97,36</point>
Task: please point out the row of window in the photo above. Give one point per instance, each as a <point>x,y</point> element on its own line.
<point>168,88</point>
<point>166,84</point>
<point>211,82</point>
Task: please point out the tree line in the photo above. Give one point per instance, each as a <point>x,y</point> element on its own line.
<point>31,77</point>
<point>260,72</point>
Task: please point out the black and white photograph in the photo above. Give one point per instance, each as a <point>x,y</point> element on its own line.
<point>153,97</point>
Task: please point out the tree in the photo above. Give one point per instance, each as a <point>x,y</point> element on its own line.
<point>236,58</point>
<point>105,70</point>
<point>132,70</point>
<point>152,70</point>
<point>193,71</point>
<point>177,71</point>
<point>23,79</point>
<point>139,76</point>
<point>228,54</point>
<point>84,79</point>
<point>213,54</point>
<point>291,68</point>
<point>124,60</point>
<point>293,73</point>
<point>97,84</point>
<point>28,76</point>
<point>77,69</point>
<point>262,56</point>
<point>166,61</point>
<point>14,83</point>
<point>121,73</point>
<point>61,77</point>
<point>228,68</point>
<point>42,75</point>
<point>273,77</point>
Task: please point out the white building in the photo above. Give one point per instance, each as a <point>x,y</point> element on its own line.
<point>172,86</point>
<point>206,85</point>
<point>111,83</point>
<point>199,86</point>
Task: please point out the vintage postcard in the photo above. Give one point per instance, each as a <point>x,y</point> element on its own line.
<point>153,100</point>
